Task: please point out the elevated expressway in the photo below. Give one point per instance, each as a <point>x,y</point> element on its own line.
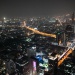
<point>70,49</point>
<point>38,32</point>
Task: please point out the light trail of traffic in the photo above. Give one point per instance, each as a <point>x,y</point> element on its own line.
<point>38,32</point>
<point>65,55</point>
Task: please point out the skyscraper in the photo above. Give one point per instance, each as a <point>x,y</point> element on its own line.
<point>72,17</point>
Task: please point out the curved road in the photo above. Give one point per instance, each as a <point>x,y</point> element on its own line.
<point>38,32</point>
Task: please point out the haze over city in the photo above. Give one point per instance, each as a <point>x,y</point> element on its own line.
<point>35,8</point>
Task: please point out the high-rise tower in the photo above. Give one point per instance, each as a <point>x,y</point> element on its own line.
<point>72,17</point>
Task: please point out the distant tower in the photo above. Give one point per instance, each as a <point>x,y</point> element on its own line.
<point>73,23</point>
<point>72,17</point>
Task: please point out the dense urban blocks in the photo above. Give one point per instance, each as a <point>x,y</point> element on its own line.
<point>37,48</point>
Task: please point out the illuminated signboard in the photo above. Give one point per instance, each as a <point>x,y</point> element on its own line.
<point>34,65</point>
<point>64,57</point>
<point>45,64</point>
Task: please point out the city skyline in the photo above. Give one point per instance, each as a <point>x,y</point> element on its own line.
<point>35,8</point>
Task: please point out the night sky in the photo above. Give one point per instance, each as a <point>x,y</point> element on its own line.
<point>35,8</point>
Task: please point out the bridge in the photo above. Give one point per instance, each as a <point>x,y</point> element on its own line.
<point>65,54</point>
